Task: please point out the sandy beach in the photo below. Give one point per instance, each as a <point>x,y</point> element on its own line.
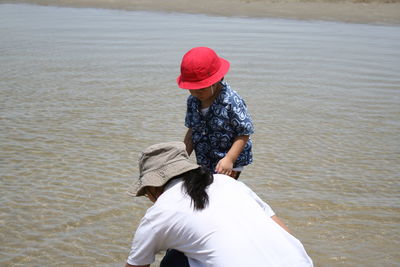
<point>353,11</point>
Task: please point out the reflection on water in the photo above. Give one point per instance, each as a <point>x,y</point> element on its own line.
<point>84,90</point>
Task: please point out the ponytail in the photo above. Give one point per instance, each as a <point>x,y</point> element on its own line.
<point>195,183</point>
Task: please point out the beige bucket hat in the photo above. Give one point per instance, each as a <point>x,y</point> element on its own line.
<point>159,163</point>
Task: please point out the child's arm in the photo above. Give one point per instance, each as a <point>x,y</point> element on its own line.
<point>188,141</point>
<point>225,165</point>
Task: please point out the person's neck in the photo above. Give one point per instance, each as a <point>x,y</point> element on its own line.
<point>208,102</point>
<point>160,190</point>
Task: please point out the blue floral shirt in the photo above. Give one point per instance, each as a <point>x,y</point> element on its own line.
<point>213,133</point>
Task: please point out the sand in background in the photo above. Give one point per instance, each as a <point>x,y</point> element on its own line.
<point>356,11</point>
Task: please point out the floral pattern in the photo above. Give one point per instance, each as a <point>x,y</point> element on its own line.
<point>213,133</point>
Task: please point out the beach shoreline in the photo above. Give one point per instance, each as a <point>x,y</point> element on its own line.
<point>350,11</point>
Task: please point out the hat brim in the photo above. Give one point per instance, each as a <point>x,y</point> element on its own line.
<point>160,176</point>
<point>224,68</point>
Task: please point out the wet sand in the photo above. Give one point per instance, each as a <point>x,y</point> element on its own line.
<point>354,11</point>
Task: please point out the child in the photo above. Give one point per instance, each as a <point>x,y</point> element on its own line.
<point>219,126</point>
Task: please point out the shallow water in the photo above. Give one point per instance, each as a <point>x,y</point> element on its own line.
<point>83,91</point>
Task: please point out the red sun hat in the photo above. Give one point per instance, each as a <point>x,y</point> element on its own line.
<point>201,67</point>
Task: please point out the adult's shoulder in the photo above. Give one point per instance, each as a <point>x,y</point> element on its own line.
<point>225,181</point>
<point>222,178</point>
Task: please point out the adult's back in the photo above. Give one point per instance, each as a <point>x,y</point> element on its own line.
<point>234,229</point>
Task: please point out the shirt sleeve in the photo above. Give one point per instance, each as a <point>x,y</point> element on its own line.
<point>240,118</point>
<point>189,112</point>
<point>267,209</point>
<point>144,245</point>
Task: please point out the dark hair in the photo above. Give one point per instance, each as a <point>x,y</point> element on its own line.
<point>195,183</point>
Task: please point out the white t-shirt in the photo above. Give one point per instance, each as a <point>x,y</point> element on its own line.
<point>234,230</point>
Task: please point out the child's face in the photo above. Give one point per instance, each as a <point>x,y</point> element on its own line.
<point>202,94</point>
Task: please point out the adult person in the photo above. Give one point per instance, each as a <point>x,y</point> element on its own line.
<point>208,220</point>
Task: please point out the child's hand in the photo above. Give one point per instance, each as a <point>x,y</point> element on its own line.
<point>224,166</point>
